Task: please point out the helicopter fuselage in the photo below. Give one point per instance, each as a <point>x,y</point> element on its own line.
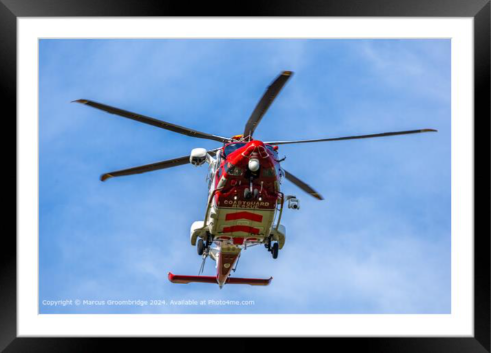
<point>244,201</point>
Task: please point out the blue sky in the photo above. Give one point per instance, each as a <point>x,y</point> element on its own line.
<point>378,243</point>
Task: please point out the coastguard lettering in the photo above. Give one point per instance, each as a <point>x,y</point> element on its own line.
<point>246,204</point>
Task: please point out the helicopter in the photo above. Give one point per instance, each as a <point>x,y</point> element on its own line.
<point>245,203</point>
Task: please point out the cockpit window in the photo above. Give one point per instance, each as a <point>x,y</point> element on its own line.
<point>268,172</point>
<point>232,169</point>
<point>233,147</point>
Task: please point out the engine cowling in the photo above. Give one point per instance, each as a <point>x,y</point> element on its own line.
<point>198,156</point>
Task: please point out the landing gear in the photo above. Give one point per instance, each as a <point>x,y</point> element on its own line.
<point>209,240</point>
<point>204,249</point>
<point>247,194</point>
<point>201,247</point>
<point>272,248</point>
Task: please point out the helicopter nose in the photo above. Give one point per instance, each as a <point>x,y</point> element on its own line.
<point>252,157</point>
<point>256,144</point>
<point>256,150</point>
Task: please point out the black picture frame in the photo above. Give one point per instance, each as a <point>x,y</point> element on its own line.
<point>10,10</point>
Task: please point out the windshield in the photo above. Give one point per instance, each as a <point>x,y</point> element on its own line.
<point>233,147</point>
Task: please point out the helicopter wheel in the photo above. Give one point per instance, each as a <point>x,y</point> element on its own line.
<point>247,194</point>
<point>267,244</point>
<point>201,247</point>
<point>274,250</point>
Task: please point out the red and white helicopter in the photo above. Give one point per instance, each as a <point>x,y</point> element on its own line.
<point>245,202</point>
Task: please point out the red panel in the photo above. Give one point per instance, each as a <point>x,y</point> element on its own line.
<point>246,229</point>
<point>244,215</point>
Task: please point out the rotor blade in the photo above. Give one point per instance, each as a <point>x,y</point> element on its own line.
<point>265,102</point>
<point>147,168</point>
<point>308,189</point>
<point>150,167</point>
<point>151,121</point>
<point>353,137</point>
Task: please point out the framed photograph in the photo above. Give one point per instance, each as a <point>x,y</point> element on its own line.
<point>162,155</point>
